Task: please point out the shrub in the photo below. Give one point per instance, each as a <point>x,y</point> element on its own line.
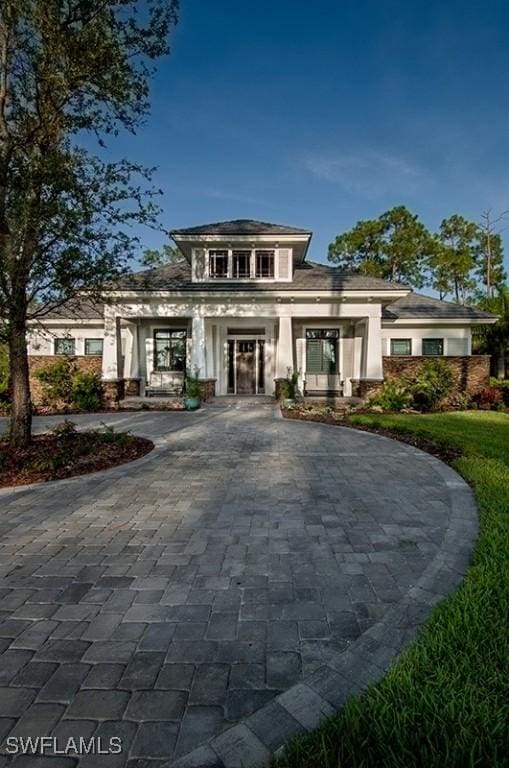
<point>64,428</point>
<point>57,380</point>
<point>393,396</point>
<point>192,385</point>
<point>109,435</point>
<point>503,386</point>
<point>86,391</point>
<point>461,401</point>
<point>489,398</point>
<point>289,387</point>
<point>432,383</point>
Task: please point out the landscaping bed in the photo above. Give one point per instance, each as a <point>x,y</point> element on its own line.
<point>437,448</point>
<point>64,452</point>
<point>444,703</point>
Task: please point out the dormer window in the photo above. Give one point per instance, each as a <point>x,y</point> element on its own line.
<point>218,263</point>
<point>241,263</point>
<point>264,261</point>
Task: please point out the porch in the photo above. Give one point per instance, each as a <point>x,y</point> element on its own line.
<point>242,356</point>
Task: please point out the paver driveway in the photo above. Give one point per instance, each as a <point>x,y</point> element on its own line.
<point>167,600</point>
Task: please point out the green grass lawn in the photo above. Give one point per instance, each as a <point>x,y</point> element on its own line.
<point>445,702</point>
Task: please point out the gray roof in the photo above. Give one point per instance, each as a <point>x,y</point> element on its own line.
<point>241,227</point>
<point>416,306</point>
<point>77,309</point>
<point>307,277</point>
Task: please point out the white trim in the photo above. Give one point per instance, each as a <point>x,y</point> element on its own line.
<point>235,337</point>
<point>340,350</point>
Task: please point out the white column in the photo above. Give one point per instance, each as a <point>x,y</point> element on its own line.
<point>284,348</point>
<point>374,367</point>
<point>132,352</point>
<point>209,371</point>
<point>112,344</point>
<point>198,347</point>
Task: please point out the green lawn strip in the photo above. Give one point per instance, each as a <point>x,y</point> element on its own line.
<point>445,702</point>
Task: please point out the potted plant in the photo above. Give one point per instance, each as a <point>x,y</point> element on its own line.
<point>192,392</point>
<point>290,388</point>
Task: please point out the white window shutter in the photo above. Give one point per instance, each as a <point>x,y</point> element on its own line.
<point>199,264</point>
<point>284,264</point>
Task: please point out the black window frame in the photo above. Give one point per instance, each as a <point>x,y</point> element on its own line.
<point>169,332</point>
<point>214,255</point>
<point>323,336</point>
<point>67,340</point>
<point>92,354</point>
<point>401,354</point>
<point>262,256</point>
<point>433,339</point>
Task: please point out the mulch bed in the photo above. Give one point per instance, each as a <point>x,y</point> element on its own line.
<point>445,453</point>
<point>52,457</point>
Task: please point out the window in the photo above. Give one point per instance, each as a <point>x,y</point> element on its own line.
<point>65,347</point>
<point>218,263</point>
<point>264,263</point>
<point>241,264</point>
<point>401,346</point>
<point>93,346</point>
<point>432,346</point>
<point>170,350</point>
<point>322,350</point>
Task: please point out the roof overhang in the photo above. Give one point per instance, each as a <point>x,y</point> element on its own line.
<point>298,242</point>
<point>269,293</point>
<point>423,321</point>
<point>66,321</point>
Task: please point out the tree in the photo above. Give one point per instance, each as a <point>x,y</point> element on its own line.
<point>168,254</point>
<point>494,339</point>
<point>68,69</point>
<point>396,246</point>
<point>490,253</point>
<point>453,260</point>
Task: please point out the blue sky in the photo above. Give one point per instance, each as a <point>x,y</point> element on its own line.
<point>320,114</point>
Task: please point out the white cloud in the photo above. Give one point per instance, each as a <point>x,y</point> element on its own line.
<point>368,173</point>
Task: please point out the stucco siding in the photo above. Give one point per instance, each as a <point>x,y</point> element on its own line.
<point>457,340</point>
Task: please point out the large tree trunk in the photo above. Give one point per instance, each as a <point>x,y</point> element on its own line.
<point>21,411</point>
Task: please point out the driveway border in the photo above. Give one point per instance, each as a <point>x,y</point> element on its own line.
<point>252,741</point>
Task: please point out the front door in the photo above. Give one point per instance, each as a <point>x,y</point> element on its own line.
<point>246,367</point>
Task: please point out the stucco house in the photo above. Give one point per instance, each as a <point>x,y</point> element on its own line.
<point>243,307</point>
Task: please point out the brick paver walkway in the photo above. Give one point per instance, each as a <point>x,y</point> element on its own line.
<point>226,591</point>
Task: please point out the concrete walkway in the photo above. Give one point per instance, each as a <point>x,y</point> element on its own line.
<point>222,593</point>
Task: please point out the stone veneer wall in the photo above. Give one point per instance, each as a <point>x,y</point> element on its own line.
<point>208,389</point>
<point>471,372</point>
<point>366,388</point>
<point>112,391</point>
<point>84,363</point>
<point>132,387</point>
<point>278,388</point>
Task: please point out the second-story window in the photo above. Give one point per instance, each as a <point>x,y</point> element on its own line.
<point>241,264</point>
<point>264,264</point>
<point>218,263</point>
